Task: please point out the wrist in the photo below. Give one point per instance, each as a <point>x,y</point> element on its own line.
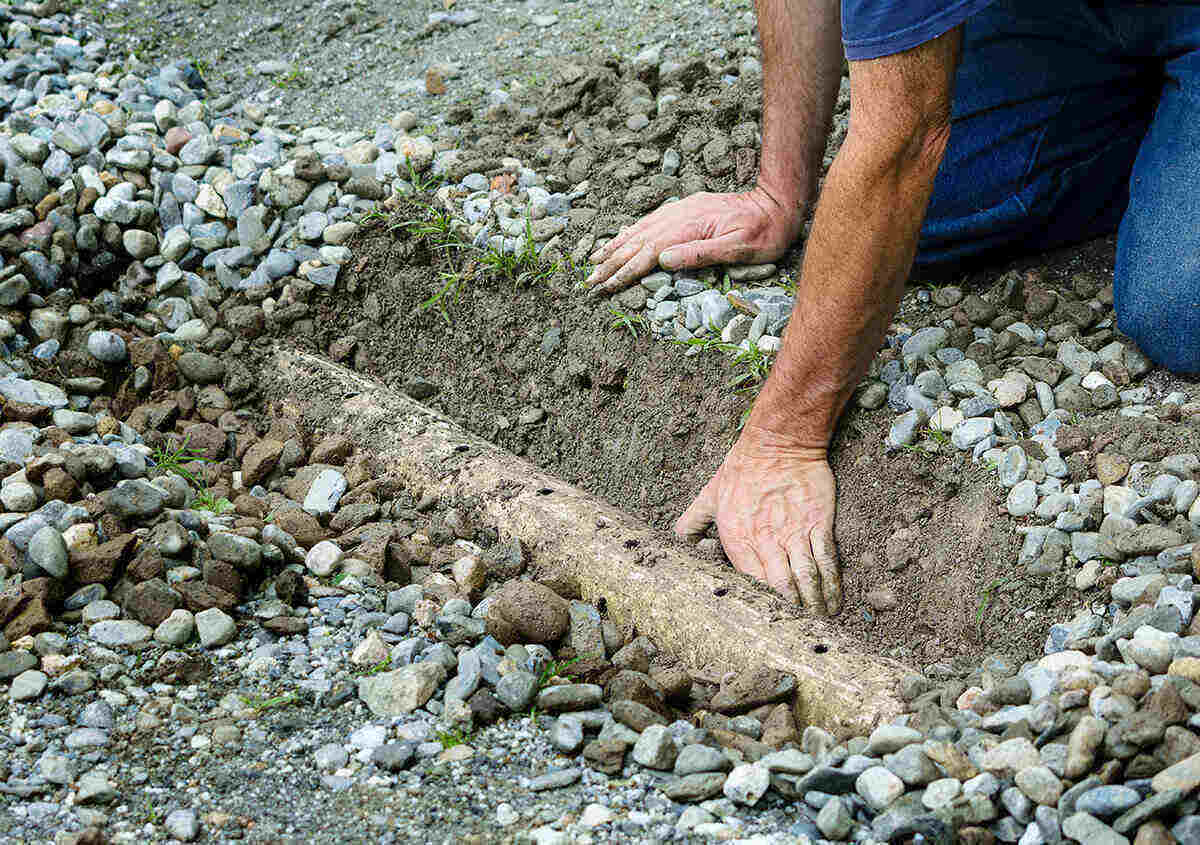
<point>787,415</point>
<point>759,439</point>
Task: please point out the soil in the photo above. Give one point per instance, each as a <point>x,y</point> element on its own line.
<point>640,424</point>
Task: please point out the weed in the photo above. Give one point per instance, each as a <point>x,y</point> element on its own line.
<point>260,704</point>
<point>206,501</point>
<point>788,283</point>
<point>449,739</point>
<point>172,457</point>
<point>150,813</point>
<point>752,367</point>
<point>375,215</point>
<point>987,596</point>
<point>554,667</point>
<point>294,78</point>
<point>419,184</point>
<point>202,67</point>
<point>448,294</point>
<point>521,268</point>
<point>939,437</point>
<point>381,666</point>
<point>631,322</point>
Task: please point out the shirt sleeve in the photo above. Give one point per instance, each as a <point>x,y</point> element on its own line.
<point>874,28</point>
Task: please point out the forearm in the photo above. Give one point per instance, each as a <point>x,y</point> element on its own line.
<point>802,68</point>
<point>863,240</point>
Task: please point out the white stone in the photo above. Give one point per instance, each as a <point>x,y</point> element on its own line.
<point>747,783</point>
<point>878,787</point>
<point>323,558</point>
<point>945,419</point>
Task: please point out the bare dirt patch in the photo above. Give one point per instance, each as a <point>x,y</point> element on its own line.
<point>541,371</point>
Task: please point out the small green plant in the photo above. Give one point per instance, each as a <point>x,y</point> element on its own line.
<point>173,456</point>
<point>448,294</point>
<point>381,666</point>
<point>260,704</point>
<point>150,813</point>
<point>939,437</point>
<point>987,596</point>
<point>631,322</point>
<point>294,78</point>
<point>449,739</point>
<point>419,183</point>
<point>519,267</point>
<point>752,366</point>
<point>206,501</point>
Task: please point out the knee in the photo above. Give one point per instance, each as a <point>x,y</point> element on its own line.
<point>1160,311</point>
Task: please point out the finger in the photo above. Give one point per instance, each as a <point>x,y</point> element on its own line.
<point>808,578</point>
<point>745,559</point>
<point>615,243</point>
<point>825,554</point>
<point>700,514</point>
<point>615,261</point>
<point>727,249</point>
<point>634,269</point>
<point>779,573</point>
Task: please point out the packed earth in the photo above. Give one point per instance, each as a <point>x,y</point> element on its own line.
<point>222,621</point>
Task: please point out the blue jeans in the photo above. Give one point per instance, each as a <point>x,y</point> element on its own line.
<point>1072,119</point>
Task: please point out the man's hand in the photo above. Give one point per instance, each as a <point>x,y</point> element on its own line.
<point>700,230</point>
<point>773,504</point>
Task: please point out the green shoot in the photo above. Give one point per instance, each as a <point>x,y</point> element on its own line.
<point>205,501</point>
<point>987,596</point>
<point>381,666</point>
<point>294,78</point>
<point>449,739</point>
<point>630,322</point>
<point>260,704</point>
<point>448,294</point>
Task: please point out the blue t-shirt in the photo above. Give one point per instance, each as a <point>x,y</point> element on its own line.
<point>874,28</point>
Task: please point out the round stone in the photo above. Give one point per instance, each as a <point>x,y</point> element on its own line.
<point>106,347</point>
<point>878,787</point>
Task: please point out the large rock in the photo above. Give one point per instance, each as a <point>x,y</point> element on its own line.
<point>134,499</point>
<point>259,460</point>
<point>100,564</point>
<point>303,527</point>
<point>528,612</point>
<point>402,691</point>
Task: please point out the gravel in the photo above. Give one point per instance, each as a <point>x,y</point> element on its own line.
<point>236,630</point>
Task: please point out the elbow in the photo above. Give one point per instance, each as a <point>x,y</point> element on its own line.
<point>905,147</point>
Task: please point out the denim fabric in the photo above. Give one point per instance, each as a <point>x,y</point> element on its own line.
<point>1072,119</point>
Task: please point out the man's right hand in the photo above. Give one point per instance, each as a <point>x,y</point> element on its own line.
<point>700,230</point>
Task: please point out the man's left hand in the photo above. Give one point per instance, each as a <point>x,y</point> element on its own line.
<point>773,505</point>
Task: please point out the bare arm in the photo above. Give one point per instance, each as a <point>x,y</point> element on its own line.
<point>864,238</point>
<point>802,62</point>
<point>802,68</point>
<point>773,498</point>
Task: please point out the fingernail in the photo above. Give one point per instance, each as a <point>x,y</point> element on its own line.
<point>667,259</point>
<point>594,258</point>
<point>591,278</point>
